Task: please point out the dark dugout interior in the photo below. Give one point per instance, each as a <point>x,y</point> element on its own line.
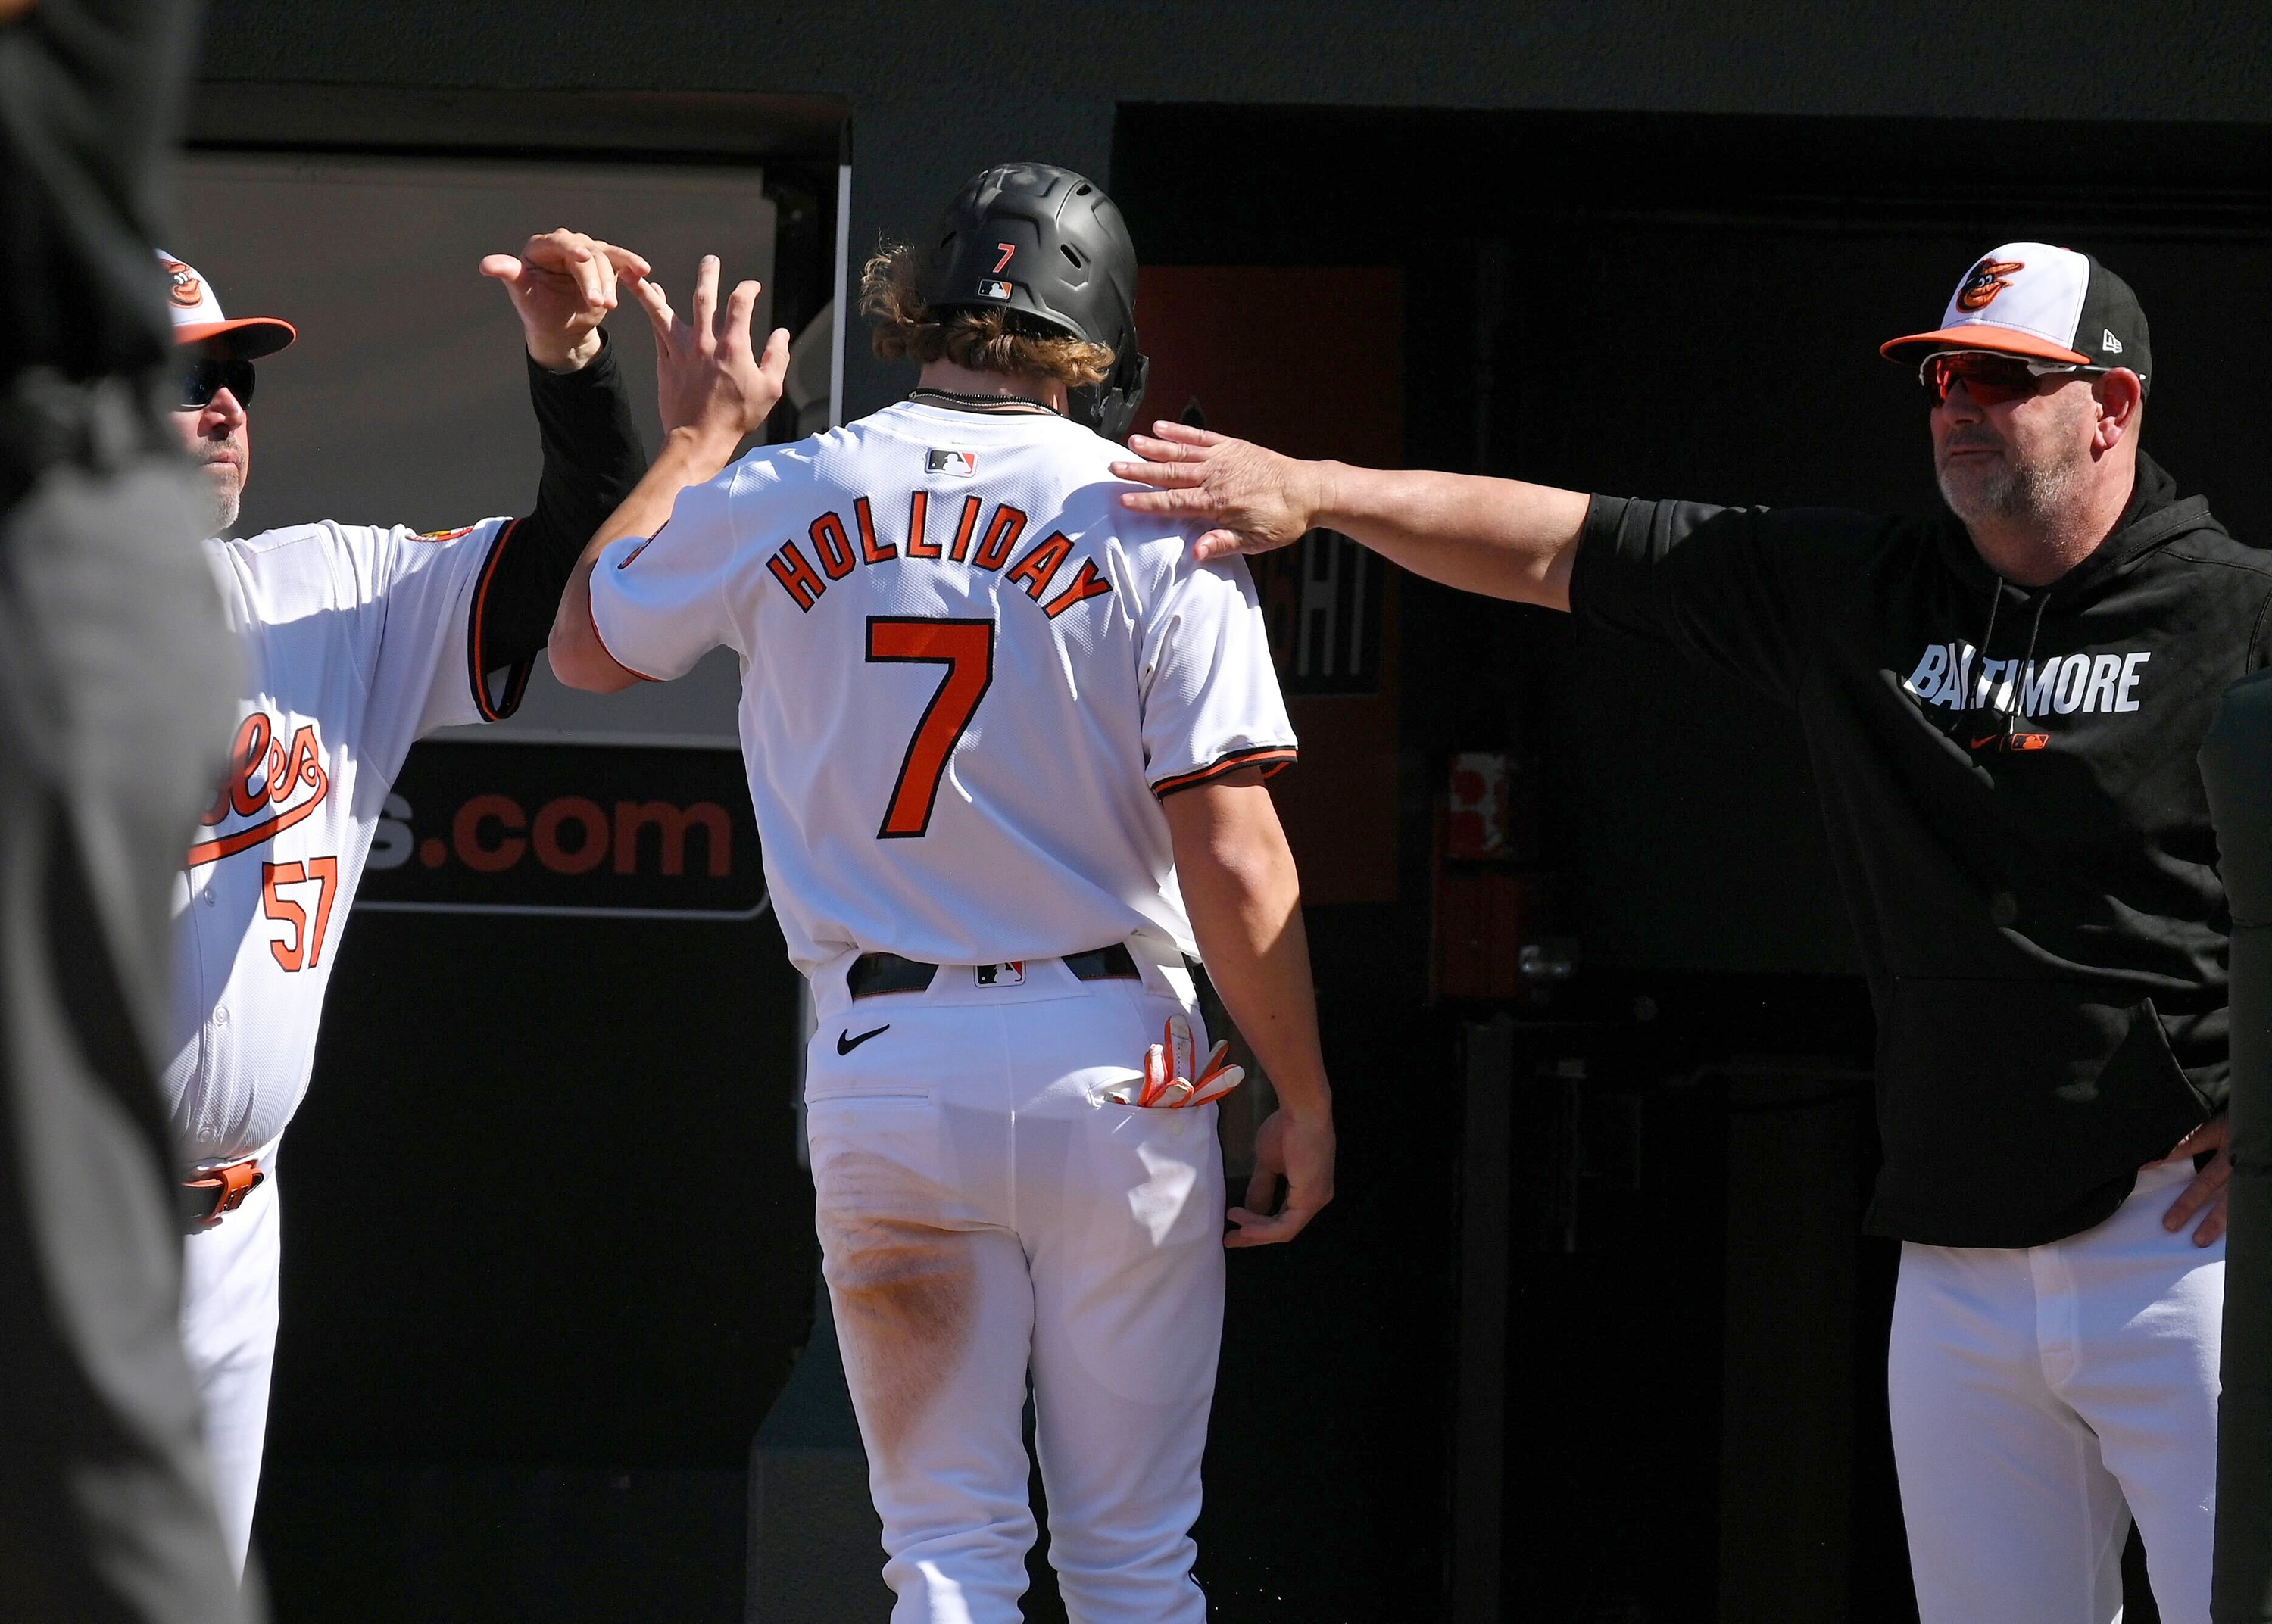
<point>1691,1421</point>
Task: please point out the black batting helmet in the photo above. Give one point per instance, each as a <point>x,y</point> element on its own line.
<point>1049,246</point>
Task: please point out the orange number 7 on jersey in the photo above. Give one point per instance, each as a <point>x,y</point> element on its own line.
<point>307,945</point>
<point>966,648</point>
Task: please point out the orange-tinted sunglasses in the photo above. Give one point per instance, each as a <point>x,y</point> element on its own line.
<point>1990,378</point>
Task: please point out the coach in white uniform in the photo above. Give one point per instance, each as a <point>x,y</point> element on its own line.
<point>1006,744</point>
<point>2001,705</point>
<point>359,639</point>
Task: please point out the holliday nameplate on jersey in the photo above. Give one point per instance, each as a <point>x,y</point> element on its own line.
<point>499,826</point>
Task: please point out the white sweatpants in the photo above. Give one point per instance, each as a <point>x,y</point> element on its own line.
<point>980,1218</point>
<point>228,1331</point>
<point>2043,1397</point>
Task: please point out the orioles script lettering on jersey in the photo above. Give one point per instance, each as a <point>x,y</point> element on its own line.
<point>263,773</point>
<point>968,542</point>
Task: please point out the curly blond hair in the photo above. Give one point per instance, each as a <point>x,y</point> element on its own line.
<point>985,339</point>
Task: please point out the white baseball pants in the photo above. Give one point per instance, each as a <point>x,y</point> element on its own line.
<point>982,1218</point>
<point>2043,1397</point>
<point>228,1331</point>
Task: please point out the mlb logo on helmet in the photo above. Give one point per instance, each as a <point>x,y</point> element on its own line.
<point>993,290</point>
<point>963,463</point>
<point>2047,303</point>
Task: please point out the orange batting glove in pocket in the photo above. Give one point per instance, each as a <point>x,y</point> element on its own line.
<point>1171,1080</point>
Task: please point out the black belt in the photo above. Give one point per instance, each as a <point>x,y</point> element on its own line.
<point>872,973</point>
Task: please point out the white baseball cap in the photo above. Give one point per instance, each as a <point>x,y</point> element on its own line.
<point>197,319</point>
<point>2043,302</point>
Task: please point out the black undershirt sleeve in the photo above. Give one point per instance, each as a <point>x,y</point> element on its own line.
<point>593,458</point>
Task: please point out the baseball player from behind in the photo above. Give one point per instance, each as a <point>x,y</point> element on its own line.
<point>1006,745</point>
<point>358,639</point>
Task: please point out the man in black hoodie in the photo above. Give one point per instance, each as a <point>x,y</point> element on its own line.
<point>2002,706</point>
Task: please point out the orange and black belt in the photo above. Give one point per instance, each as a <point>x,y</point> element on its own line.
<point>209,1194</point>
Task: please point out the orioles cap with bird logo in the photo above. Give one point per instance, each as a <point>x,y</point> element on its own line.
<point>198,318</point>
<point>2043,302</point>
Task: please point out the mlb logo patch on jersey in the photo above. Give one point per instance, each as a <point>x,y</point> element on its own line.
<point>962,463</point>
<point>993,290</point>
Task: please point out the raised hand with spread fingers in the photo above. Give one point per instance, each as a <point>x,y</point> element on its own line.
<point>714,391</point>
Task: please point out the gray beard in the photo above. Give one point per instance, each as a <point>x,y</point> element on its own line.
<point>2032,493</point>
<point>225,506</point>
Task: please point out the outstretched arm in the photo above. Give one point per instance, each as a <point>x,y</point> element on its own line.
<point>1498,537</point>
<point>713,392</point>
<point>1245,903</point>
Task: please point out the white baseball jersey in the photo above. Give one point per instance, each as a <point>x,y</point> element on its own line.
<point>967,672</point>
<point>358,640</point>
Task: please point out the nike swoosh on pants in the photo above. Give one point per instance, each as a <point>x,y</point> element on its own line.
<point>846,1042</point>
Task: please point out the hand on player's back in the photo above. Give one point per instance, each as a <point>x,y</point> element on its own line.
<point>708,381</point>
<point>1256,499</point>
<point>562,285</point>
<point>1300,1151</point>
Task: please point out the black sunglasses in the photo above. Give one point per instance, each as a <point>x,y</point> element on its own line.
<point>203,379</point>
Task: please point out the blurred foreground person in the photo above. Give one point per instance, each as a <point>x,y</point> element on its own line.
<point>115,673</point>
